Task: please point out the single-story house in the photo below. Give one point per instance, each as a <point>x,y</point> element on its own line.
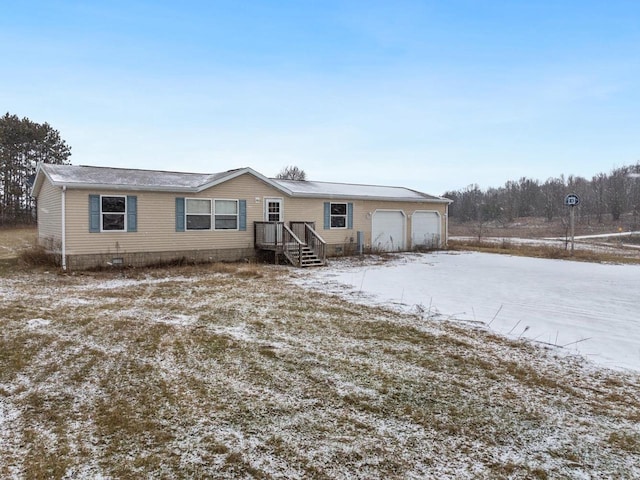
<point>93,216</point>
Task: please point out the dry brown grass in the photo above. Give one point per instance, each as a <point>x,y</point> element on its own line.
<point>628,441</point>
<point>37,256</point>
<point>18,249</point>
<point>15,239</point>
<point>228,370</point>
<point>540,227</point>
<point>507,247</point>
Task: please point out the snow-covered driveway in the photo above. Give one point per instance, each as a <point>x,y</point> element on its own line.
<point>588,308</point>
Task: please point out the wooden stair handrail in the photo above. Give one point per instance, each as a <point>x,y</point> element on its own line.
<point>318,244</point>
<point>286,233</point>
<point>315,234</point>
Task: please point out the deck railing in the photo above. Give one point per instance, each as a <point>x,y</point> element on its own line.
<point>299,229</point>
<point>289,240</point>
<point>268,235</point>
<point>315,242</point>
<point>292,246</point>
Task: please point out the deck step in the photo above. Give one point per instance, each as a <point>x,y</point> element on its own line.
<point>309,259</point>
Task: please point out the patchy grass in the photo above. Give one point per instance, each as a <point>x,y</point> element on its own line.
<point>509,247</point>
<point>15,239</point>
<point>14,243</point>
<point>228,370</point>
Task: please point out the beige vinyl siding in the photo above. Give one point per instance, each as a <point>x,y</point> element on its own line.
<point>156,220</point>
<point>309,209</point>
<point>50,216</point>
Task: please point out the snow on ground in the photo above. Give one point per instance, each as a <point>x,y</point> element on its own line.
<point>605,235</point>
<point>176,319</point>
<point>590,309</point>
<point>585,242</point>
<point>37,322</point>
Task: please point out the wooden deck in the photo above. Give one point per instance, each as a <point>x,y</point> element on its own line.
<point>298,242</point>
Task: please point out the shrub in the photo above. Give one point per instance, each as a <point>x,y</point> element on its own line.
<point>37,256</point>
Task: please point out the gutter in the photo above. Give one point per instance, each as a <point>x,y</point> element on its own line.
<point>340,196</point>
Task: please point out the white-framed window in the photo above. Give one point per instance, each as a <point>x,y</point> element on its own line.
<point>225,216</point>
<point>113,213</point>
<point>198,214</point>
<point>338,215</point>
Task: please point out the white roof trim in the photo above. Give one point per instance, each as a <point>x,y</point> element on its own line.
<point>37,182</point>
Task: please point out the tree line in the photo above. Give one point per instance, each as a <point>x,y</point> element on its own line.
<point>613,194</point>
<point>23,144</point>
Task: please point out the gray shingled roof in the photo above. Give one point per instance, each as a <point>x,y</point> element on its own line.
<point>71,175</point>
<point>328,189</point>
<point>74,176</point>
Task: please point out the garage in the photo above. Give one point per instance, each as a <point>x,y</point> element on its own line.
<point>425,229</point>
<point>388,230</point>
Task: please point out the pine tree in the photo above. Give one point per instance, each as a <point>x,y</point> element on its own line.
<point>23,144</point>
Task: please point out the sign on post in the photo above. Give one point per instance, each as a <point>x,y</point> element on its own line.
<point>572,200</point>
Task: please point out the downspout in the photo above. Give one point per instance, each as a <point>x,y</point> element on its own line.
<point>446,226</point>
<point>64,229</point>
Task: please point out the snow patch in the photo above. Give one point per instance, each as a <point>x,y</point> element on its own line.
<point>583,308</point>
<point>237,332</point>
<point>35,323</point>
<point>176,319</point>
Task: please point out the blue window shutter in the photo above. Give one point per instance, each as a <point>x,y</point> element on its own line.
<point>179,214</point>
<point>242,214</point>
<point>327,215</point>
<point>350,216</point>
<point>94,213</point>
<point>132,213</point>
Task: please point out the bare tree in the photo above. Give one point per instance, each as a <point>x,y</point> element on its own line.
<point>616,193</point>
<point>292,172</point>
<point>553,192</point>
<point>616,198</point>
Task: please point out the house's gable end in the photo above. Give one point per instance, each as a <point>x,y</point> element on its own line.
<point>41,176</point>
<point>49,214</point>
<point>246,171</point>
<point>245,184</point>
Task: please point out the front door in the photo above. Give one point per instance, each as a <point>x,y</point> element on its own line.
<point>273,213</point>
<point>273,209</point>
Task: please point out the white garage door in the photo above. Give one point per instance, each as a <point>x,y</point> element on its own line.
<point>387,230</point>
<point>425,230</point>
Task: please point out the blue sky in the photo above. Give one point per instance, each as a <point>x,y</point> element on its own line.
<point>432,95</point>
